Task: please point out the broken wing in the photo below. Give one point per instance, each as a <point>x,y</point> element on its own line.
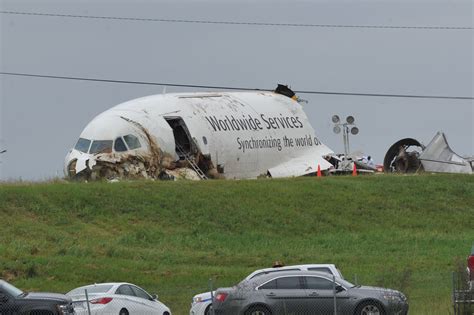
<point>299,166</point>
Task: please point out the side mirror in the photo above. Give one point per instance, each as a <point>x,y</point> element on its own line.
<point>154,296</point>
<point>339,288</point>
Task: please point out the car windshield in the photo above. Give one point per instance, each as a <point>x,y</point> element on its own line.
<point>91,289</point>
<point>13,291</point>
<point>83,145</point>
<point>345,283</point>
<point>101,146</point>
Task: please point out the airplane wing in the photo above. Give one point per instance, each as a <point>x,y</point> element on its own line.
<point>301,165</point>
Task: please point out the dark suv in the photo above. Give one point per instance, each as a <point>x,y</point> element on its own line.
<point>13,301</point>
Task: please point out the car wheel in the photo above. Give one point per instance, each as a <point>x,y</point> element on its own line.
<point>123,311</point>
<point>369,308</point>
<point>208,310</point>
<point>258,310</point>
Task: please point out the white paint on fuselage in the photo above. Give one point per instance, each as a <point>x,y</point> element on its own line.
<point>247,133</point>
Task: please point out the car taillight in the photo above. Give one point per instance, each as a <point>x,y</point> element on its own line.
<point>104,300</point>
<point>470,263</point>
<point>221,297</point>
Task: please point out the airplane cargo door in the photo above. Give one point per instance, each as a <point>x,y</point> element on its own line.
<point>182,137</point>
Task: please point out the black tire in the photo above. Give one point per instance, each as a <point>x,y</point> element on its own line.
<point>208,310</point>
<point>258,310</point>
<point>123,311</point>
<point>166,313</point>
<point>369,307</point>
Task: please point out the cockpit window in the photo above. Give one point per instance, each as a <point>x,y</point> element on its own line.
<point>119,145</point>
<point>101,146</point>
<point>83,145</point>
<point>132,142</point>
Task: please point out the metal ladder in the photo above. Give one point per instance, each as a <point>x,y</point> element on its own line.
<point>191,162</point>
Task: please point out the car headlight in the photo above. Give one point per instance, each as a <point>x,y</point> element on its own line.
<point>197,299</point>
<point>393,297</point>
<point>65,309</point>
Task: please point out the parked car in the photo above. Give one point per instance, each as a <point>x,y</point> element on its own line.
<point>306,292</point>
<point>116,298</point>
<point>14,301</point>
<point>201,303</point>
<point>470,269</point>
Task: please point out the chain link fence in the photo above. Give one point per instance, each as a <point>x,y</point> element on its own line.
<point>83,303</point>
<point>125,302</point>
<point>462,294</point>
<point>455,298</point>
<point>451,296</point>
<point>304,295</point>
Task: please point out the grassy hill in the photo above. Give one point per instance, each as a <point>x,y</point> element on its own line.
<point>404,232</point>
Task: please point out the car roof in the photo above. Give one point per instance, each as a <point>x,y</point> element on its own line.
<point>112,284</point>
<point>300,267</point>
<point>301,273</point>
<point>107,283</point>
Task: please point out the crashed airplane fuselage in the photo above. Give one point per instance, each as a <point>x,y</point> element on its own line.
<point>199,135</point>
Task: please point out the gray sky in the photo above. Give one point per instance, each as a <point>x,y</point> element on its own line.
<point>41,119</point>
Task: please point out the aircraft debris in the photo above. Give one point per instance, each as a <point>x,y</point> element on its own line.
<point>409,156</point>
<point>344,165</point>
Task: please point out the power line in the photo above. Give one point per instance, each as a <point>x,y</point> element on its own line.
<point>237,23</point>
<point>234,88</point>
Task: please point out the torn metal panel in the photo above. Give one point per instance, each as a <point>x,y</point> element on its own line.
<point>438,157</point>
<point>81,164</point>
<point>360,165</point>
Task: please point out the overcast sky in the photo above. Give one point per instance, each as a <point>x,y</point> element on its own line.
<point>41,119</point>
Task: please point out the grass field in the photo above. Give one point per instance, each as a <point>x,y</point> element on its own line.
<point>404,232</point>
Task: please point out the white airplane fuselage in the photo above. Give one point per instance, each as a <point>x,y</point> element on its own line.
<point>241,134</point>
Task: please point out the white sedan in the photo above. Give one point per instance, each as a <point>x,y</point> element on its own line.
<point>118,298</point>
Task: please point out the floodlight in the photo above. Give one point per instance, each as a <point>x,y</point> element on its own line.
<point>350,119</point>
<point>354,130</point>
<point>335,119</point>
<point>336,129</point>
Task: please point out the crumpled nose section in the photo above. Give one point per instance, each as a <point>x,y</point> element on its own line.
<point>84,162</point>
<point>77,162</point>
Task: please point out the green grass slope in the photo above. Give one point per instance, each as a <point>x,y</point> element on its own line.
<point>404,232</point>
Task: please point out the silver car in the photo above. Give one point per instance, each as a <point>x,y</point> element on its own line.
<point>201,303</point>
<point>306,292</point>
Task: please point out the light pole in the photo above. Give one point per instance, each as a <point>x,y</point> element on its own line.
<point>346,130</point>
